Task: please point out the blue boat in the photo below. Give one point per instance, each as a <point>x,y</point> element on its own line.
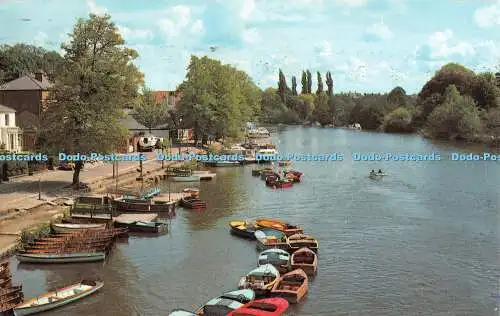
<point>146,195</point>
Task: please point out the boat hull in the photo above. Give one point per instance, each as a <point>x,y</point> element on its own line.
<point>194,178</point>
<point>247,234</point>
<point>134,228</point>
<point>65,258</point>
<point>68,229</point>
<point>50,306</point>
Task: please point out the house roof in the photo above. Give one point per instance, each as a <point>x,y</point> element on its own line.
<point>27,82</point>
<point>6,109</point>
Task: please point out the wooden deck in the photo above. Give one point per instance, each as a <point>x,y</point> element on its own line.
<point>144,217</point>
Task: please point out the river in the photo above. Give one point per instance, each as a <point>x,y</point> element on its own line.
<point>422,241</point>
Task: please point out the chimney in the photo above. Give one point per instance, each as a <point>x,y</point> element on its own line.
<point>39,76</point>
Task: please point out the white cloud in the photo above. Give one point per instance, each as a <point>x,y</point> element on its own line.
<point>96,9</point>
<point>489,16</point>
<point>132,34</point>
<point>247,9</point>
<point>324,49</point>
<point>197,27</point>
<point>352,3</point>
<point>440,46</point>
<point>181,19</point>
<point>251,36</point>
<point>378,31</point>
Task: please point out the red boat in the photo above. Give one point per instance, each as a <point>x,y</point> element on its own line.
<point>278,183</point>
<point>265,307</point>
<point>293,175</point>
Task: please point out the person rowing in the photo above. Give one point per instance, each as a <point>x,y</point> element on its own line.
<point>380,171</point>
<point>372,172</point>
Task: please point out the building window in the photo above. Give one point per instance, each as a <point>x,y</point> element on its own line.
<point>12,143</point>
<point>7,120</point>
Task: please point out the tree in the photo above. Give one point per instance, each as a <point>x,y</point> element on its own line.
<point>22,59</point>
<point>486,93</point>
<point>303,82</point>
<point>282,86</point>
<point>449,74</point>
<point>320,83</point>
<point>397,96</point>
<point>456,118</point>
<point>309,81</point>
<point>322,113</point>
<point>306,112</point>
<point>398,121</point>
<point>216,99</point>
<point>294,86</point>
<point>329,84</point>
<point>148,112</point>
<point>85,104</point>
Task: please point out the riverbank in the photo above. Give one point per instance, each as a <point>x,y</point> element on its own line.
<point>31,212</point>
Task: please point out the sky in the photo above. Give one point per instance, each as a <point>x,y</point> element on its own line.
<point>368,45</point>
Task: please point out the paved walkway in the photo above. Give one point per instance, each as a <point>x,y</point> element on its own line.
<point>25,189</point>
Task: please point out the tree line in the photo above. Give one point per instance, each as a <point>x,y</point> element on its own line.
<point>96,78</point>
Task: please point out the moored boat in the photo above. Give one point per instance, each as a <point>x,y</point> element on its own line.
<point>181,312</point>
<point>305,259</point>
<point>186,178</point>
<point>261,279</point>
<point>274,306</point>
<point>279,183</point>
<point>67,228</point>
<point>58,298</point>
<point>193,192</point>
<point>268,238</point>
<point>193,203</point>
<point>61,257</point>
<point>279,258</point>
<point>280,225</point>
<point>243,229</point>
<point>143,227</point>
<point>298,241</point>
<point>294,176</point>
<point>226,303</point>
<point>292,286</point>
<point>284,163</point>
<point>227,163</point>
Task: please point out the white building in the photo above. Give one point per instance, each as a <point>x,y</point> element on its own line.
<point>9,132</point>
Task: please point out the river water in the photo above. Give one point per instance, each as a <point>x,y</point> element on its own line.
<point>422,241</point>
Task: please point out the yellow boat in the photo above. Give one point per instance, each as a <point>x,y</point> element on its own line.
<point>243,229</point>
<point>285,163</point>
<point>280,225</point>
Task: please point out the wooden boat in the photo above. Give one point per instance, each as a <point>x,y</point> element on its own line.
<point>66,228</point>
<point>298,241</point>
<point>226,303</point>
<point>181,312</point>
<point>280,225</point>
<point>264,307</point>
<point>305,259</point>
<point>376,175</point>
<point>292,286</point>
<point>261,279</point>
<point>149,206</point>
<point>193,203</point>
<point>192,192</point>
<point>257,172</point>
<point>294,176</point>
<point>143,227</point>
<point>279,258</point>
<point>268,238</point>
<point>285,163</point>
<point>58,298</point>
<point>186,178</point>
<point>268,173</point>
<point>279,183</point>
<point>61,257</point>
<point>243,229</point>
<point>146,195</point>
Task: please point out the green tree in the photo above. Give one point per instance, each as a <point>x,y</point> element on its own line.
<point>309,81</point>
<point>322,113</point>
<point>303,82</point>
<point>456,118</point>
<point>23,59</point>
<point>282,86</point>
<point>86,102</point>
<point>397,96</point>
<point>329,84</point>
<point>307,108</point>
<point>320,83</point>
<point>294,86</point>
<point>486,93</point>
<point>148,113</point>
<point>398,121</point>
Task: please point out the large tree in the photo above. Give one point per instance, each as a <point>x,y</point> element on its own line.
<point>282,86</point>
<point>329,84</point>
<point>148,112</point>
<point>294,86</point>
<point>309,81</point>
<point>22,59</point>
<point>303,82</point>
<point>320,83</point>
<point>216,99</point>
<point>86,103</point>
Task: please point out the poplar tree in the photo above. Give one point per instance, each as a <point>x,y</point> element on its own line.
<point>320,83</point>
<point>294,86</point>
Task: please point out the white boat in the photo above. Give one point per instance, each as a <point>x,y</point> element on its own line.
<point>57,298</point>
<point>201,172</point>
<point>261,279</point>
<point>377,176</point>
<point>61,257</point>
<point>192,178</point>
<point>181,312</point>
<point>68,228</point>
<point>266,155</point>
<point>277,257</point>
<point>226,303</point>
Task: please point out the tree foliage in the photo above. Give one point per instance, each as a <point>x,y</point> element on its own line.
<point>398,121</point>
<point>148,112</point>
<point>397,96</point>
<point>22,59</point>
<point>309,81</point>
<point>320,83</point>
<point>303,82</point>
<point>294,86</point>
<point>329,84</point>
<point>216,99</point>
<point>86,103</point>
